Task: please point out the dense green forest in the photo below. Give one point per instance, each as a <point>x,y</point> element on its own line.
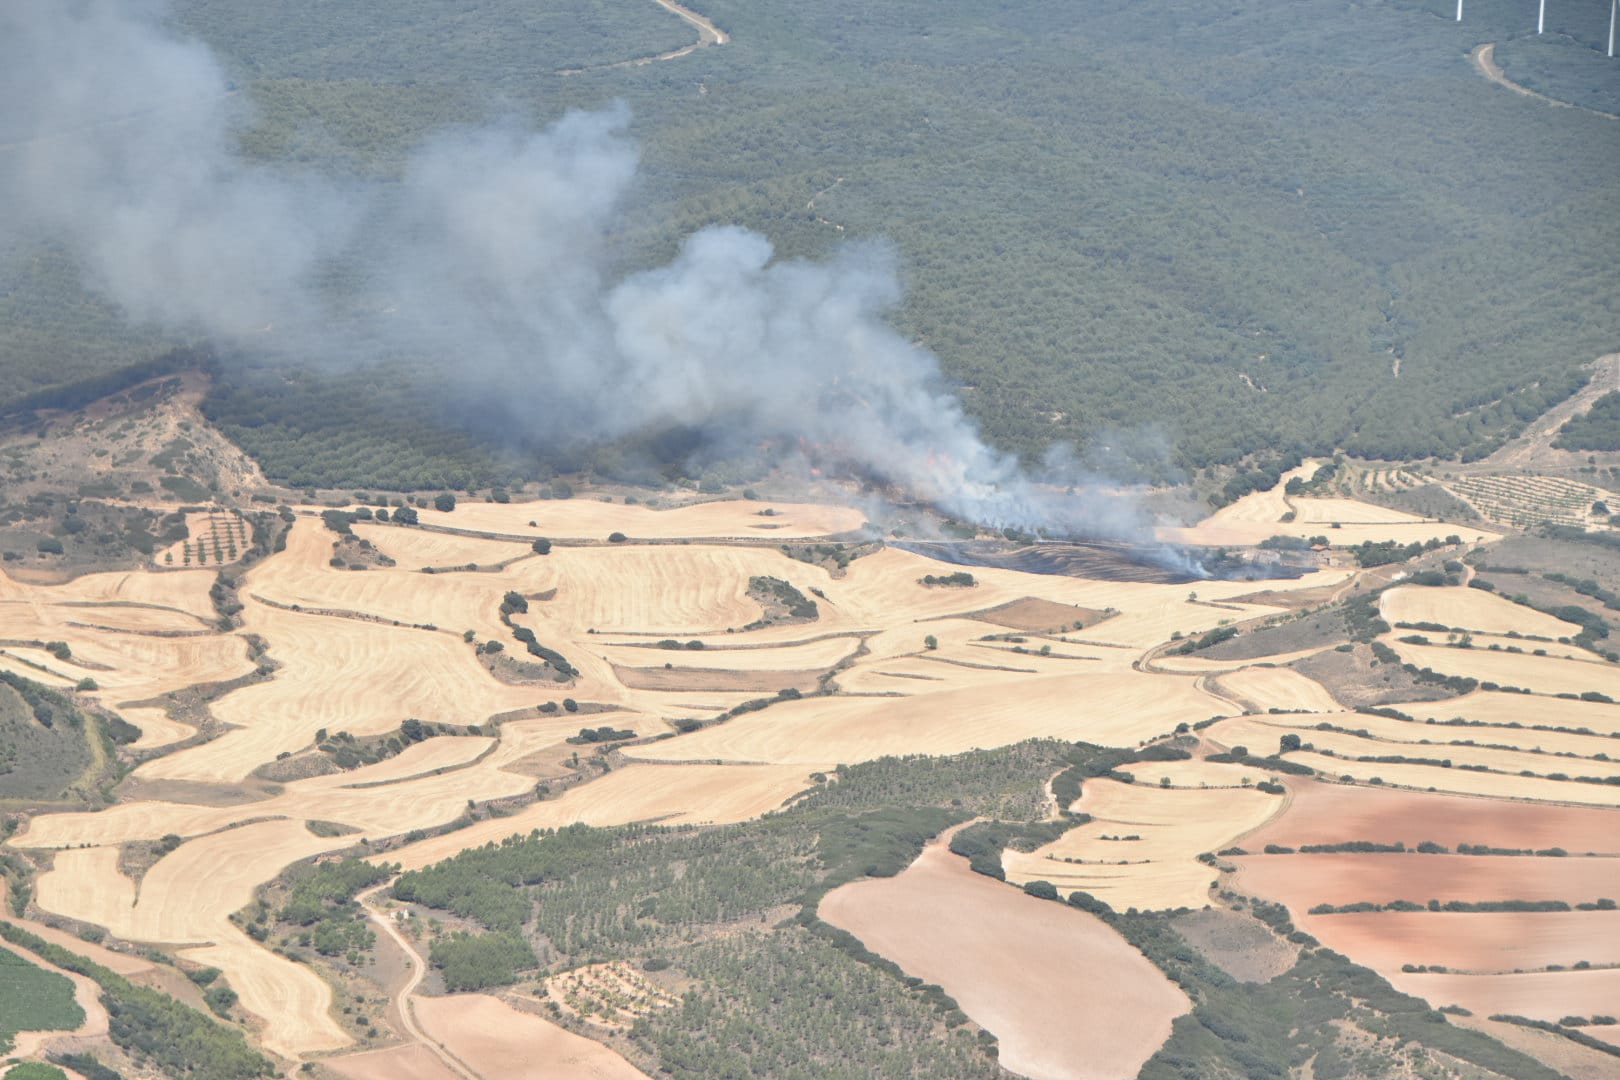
<point>1596,429</point>
<point>1164,231</point>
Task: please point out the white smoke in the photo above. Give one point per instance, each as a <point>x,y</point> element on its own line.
<point>121,143</point>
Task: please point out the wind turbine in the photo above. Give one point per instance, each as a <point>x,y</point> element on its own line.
<point>1459,9</point>
<point>1541,19</point>
<point>1613,4</point>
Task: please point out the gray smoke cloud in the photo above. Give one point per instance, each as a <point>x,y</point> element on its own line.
<point>119,142</point>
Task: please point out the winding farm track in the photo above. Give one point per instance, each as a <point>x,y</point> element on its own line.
<point>402,996</point>
<point>1484,58</point>
<point>708,34</point>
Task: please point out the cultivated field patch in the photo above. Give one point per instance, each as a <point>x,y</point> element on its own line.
<point>1022,968</point>
<point>495,1039</point>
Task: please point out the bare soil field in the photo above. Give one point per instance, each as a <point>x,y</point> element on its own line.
<point>1038,616</point>
<point>1302,881</point>
<point>496,1040</point>
<point>1471,941</point>
<point>1541,995</point>
<point>1462,608</point>
<point>1023,969</point>
<point>1238,944</point>
<point>409,1061</point>
<point>1322,813</point>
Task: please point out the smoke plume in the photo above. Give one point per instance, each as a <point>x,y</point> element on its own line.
<point>119,142</point>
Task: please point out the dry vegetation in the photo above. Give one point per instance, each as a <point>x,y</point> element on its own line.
<point>396,708</point>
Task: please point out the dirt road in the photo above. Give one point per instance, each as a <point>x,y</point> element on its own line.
<point>708,34</point>
<point>1537,439</point>
<point>1484,58</point>
<point>402,996</point>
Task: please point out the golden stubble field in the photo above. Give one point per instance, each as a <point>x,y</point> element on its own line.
<point>906,669</point>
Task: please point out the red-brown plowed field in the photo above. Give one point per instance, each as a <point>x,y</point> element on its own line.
<point>1494,942</point>
<point>1337,813</point>
<point>1541,995</point>
<point>1303,881</point>
<point>1068,998</point>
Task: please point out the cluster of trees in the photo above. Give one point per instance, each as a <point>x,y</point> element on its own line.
<point>774,590</point>
<point>961,579</point>
<point>1596,429</point>
<point>320,910</point>
<point>1371,553</point>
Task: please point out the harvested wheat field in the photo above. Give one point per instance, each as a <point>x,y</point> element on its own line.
<point>1494,785</point>
<point>1345,522</point>
<point>1114,710</point>
<point>1323,813</point>
<point>594,519</point>
<point>1539,674</point>
<point>1024,969</point>
<point>1204,665</point>
<point>814,652</point>
<point>1261,733</point>
<point>670,794</point>
<point>1141,847</point>
<point>1264,688</point>
<point>333,674</point>
<point>1304,880</point>
<point>496,1040</point>
<point>1470,942</point>
<point>1437,740</point>
<point>1490,707</point>
<point>1462,608</point>
<point>187,898</point>
<point>157,730</point>
<point>414,549</point>
<point>1319,510</point>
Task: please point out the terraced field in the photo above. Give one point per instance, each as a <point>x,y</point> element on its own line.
<point>716,715</point>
